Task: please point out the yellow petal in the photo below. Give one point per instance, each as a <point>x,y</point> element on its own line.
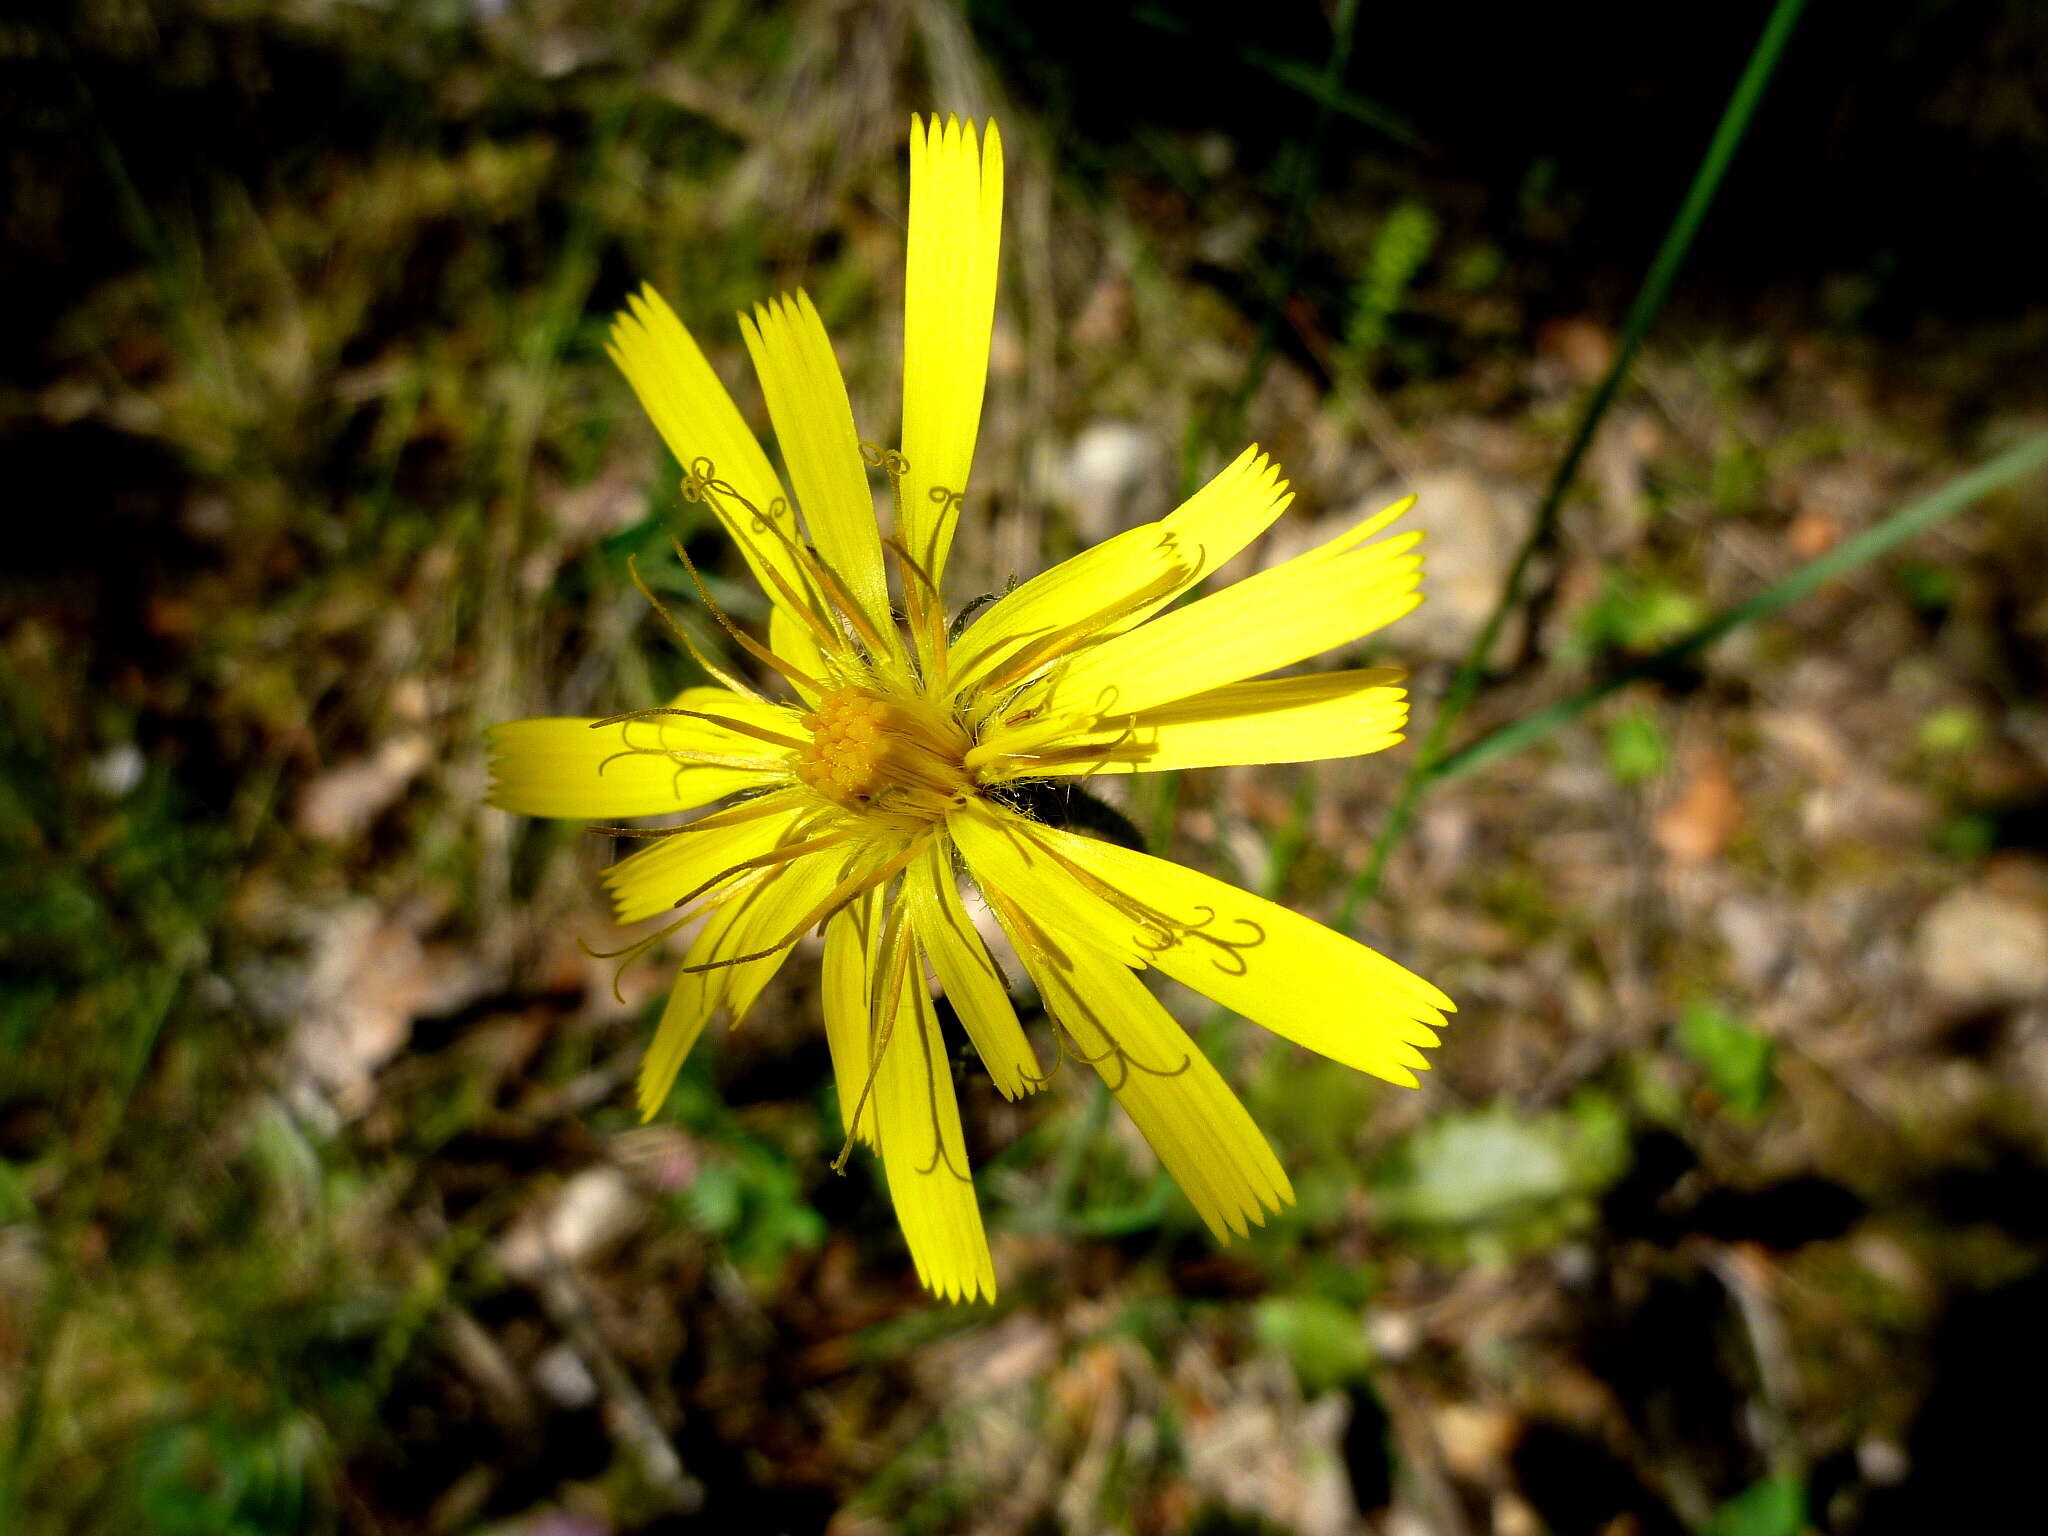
<point>691,1002</point>
<point>924,1153</point>
<point>949,295</point>
<point>848,984</point>
<point>794,641</point>
<point>1287,972</point>
<point>698,420</point>
<point>773,913</point>
<point>682,1021</point>
<point>1274,720</point>
<point>669,869</point>
<point>1178,1101</point>
<point>1330,596</point>
<point>1125,579</point>
<point>1006,861</point>
<point>973,984</point>
<point>759,913</point>
<point>570,767</point>
<point>814,423</point>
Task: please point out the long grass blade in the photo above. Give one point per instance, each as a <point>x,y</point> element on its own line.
<point>1649,301</point>
<point>1906,523</point>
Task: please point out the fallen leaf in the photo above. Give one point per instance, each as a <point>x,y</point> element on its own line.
<point>341,804</point>
<point>1699,823</point>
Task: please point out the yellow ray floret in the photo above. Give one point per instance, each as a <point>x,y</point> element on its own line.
<point>924,1154</point>
<point>1330,596</point>
<point>814,424</point>
<point>973,984</point>
<point>640,767</point>
<point>700,423</point>
<point>1127,578</point>
<point>846,982</point>
<point>1177,1100</point>
<point>1273,720</point>
<point>1287,972</point>
<point>949,297</point>
<point>700,858</point>
<point>758,914</point>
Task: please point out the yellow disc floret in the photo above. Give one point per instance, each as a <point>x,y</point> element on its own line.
<point>884,753</point>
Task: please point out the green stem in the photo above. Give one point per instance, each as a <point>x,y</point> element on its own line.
<point>1649,301</point>
<point>1909,521</point>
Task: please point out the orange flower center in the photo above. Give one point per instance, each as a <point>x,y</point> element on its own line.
<point>870,751</point>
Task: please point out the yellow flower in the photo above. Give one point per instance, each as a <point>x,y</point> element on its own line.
<point>900,757</point>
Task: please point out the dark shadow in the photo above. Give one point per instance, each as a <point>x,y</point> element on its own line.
<point>1786,1215</point>
<point>1367,1454</point>
<point>1576,1484</point>
<point>1974,1444</point>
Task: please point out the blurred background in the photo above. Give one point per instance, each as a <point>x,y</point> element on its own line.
<point>323,1207</point>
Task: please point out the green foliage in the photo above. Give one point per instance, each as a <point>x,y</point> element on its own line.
<point>1929,587</point>
<point>752,1197</point>
<point>1772,1506</point>
<point>1637,748</point>
<point>1738,478</point>
<point>1478,268</point>
<point>1950,732</point>
<point>1325,1341</point>
<point>1492,1182</point>
<point>217,1477</point>
<point>109,893</point>
<point>1399,250</point>
<point>1634,614</point>
<point>1966,835</point>
<point>1736,1058</point>
<point>750,1192</point>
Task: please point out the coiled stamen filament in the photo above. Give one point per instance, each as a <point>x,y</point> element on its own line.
<point>689,645</point>
<point>746,642</point>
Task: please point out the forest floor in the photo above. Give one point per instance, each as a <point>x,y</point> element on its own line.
<point>323,1202</point>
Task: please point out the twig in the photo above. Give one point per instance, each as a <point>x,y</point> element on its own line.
<point>562,1297</point>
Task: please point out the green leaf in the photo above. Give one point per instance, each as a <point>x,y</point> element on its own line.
<point>1929,587</point>
<point>1508,1179</point>
<point>1736,1058</point>
<point>1772,1506</point>
<point>1951,732</point>
<point>1635,615</point>
<point>1637,749</point>
<point>1325,1341</point>
<point>1399,249</point>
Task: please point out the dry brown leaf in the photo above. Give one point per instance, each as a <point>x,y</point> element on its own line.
<point>1699,823</point>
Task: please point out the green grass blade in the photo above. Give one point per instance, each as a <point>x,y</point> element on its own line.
<point>1298,75</point>
<point>1906,523</point>
<point>1317,87</point>
<point>1649,301</point>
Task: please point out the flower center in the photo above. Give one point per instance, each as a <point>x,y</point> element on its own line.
<point>889,753</point>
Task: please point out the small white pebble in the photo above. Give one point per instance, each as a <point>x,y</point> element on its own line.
<point>116,772</point>
<point>1394,1335</point>
<point>564,1379</point>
